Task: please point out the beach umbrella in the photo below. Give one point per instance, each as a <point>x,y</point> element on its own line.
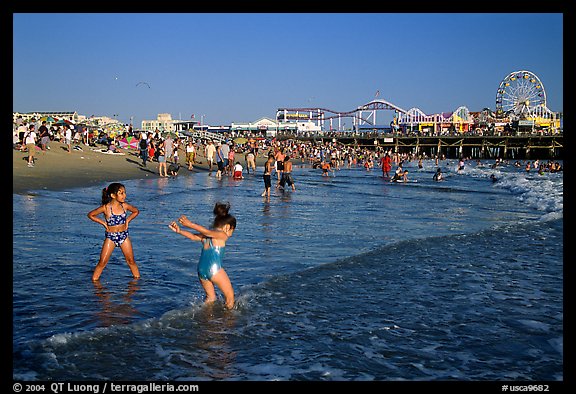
<point>240,140</point>
<point>62,122</point>
<point>130,142</point>
<point>113,129</point>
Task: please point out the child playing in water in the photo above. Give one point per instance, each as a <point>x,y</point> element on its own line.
<point>116,225</point>
<point>238,171</point>
<point>210,270</point>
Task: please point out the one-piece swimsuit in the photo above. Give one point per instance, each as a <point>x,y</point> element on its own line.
<point>210,260</point>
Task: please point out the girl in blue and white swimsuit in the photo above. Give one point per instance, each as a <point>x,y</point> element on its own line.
<point>116,225</point>
<point>210,270</point>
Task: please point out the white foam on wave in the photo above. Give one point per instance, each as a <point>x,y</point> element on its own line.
<point>170,320</point>
<point>543,193</point>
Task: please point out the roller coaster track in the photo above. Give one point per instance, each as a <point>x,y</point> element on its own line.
<point>374,105</point>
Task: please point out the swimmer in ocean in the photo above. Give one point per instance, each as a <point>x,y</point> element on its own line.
<point>460,166</point>
<point>210,268</point>
<point>438,176</point>
<point>400,177</point>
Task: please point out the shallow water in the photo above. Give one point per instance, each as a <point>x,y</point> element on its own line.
<point>348,278</point>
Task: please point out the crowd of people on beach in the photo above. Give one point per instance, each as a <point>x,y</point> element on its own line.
<point>232,159</point>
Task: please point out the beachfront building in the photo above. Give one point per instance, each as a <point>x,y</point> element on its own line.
<point>264,126</point>
<point>72,116</point>
<point>163,122</point>
<point>99,122</point>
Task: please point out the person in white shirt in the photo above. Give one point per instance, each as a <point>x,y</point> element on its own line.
<point>22,130</point>
<point>238,171</point>
<point>68,137</point>
<point>30,141</point>
<point>209,152</point>
<point>190,151</point>
<point>15,138</point>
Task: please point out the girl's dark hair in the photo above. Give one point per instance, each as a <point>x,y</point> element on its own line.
<point>112,188</point>
<point>222,217</point>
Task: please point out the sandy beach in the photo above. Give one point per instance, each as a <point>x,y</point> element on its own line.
<point>56,169</point>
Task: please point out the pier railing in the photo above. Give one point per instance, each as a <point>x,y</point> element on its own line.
<point>206,135</point>
<point>525,146</point>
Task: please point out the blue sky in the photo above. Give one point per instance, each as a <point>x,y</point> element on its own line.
<point>239,67</point>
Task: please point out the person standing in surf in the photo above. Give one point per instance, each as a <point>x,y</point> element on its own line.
<point>386,164</point>
<point>267,176</point>
<point>210,269</point>
<point>116,225</point>
<point>287,174</point>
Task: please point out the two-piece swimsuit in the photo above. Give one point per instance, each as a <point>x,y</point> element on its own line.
<point>210,260</point>
<point>115,220</point>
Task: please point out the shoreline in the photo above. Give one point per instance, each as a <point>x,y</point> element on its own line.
<point>56,169</point>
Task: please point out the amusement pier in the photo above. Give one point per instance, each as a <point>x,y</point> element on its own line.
<point>520,127</point>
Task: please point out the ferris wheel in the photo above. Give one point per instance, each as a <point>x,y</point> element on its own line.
<point>519,94</point>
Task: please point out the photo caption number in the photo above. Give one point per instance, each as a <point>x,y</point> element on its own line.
<point>34,387</point>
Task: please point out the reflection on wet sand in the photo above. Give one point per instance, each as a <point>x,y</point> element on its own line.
<point>113,309</point>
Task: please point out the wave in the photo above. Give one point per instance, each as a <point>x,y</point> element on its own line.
<point>543,193</point>
<point>380,308</point>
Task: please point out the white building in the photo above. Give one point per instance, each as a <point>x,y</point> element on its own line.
<point>73,116</point>
<point>308,127</point>
<point>265,126</point>
<point>163,122</point>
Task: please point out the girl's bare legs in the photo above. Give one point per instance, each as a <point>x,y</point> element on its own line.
<point>209,290</point>
<point>129,256</point>
<point>221,280</point>
<point>105,254</point>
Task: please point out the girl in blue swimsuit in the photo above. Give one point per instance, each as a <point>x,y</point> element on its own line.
<point>114,208</point>
<point>210,270</point>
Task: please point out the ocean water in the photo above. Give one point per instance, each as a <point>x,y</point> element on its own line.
<point>348,278</point>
